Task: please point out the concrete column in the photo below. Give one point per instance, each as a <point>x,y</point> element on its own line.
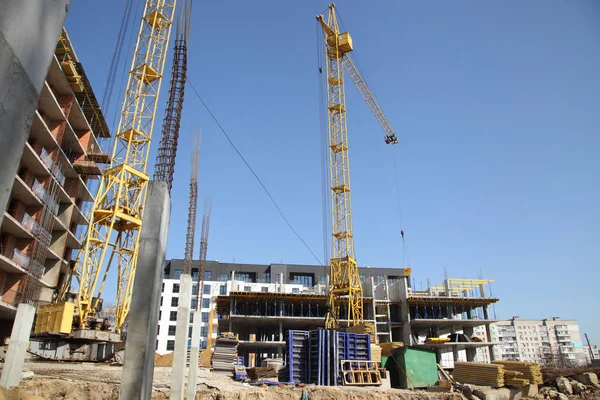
<point>138,368</point>
<point>181,338</point>
<point>191,388</point>
<point>17,347</point>
<point>29,31</point>
<point>405,313</point>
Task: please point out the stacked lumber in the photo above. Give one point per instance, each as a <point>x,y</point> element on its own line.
<point>375,353</point>
<point>224,355</point>
<point>261,372</point>
<point>531,371</point>
<point>479,374</point>
<point>163,360</point>
<point>388,348</point>
<point>514,378</point>
<point>365,327</point>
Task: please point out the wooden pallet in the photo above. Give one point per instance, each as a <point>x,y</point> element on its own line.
<point>360,373</point>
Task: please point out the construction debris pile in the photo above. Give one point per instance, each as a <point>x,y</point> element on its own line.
<point>225,354</point>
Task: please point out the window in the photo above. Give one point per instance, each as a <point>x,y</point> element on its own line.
<point>195,274</point>
<point>203,344</point>
<point>323,280</point>
<point>207,275</point>
<point>203,331</point>
<point>264,289</point>
<point>194,302</point>
<point>174,301</point>
<point>170,345</point>
<point>295,290</point>
<point>190,331</point>
<point>223,277</point>
<point>191,317</point>
<point>305,280</point>
<point>177,274</point>
<point>194,290</point>
<point>223,290</point>
<point>176,288</point>
<point>173,316</point>
<point>266,277</point>
<point>163,287</point>
<point>205,303</point>
<point>378,279</point>
<point>172,329</point>
<point>204,317</point>
<point>161,300</point>
<point>158,330</point>
<point>247,288</point>
<point>156,344</point>
<point>245,276</point>
<point>159,315</point>
<point>206,289</point>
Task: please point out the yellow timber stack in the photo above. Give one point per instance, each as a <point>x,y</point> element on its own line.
<point>116,218</point>
<point>344,279</point>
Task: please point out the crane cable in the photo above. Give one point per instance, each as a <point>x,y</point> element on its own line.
<point>405,259</point>
<point>253,173</point>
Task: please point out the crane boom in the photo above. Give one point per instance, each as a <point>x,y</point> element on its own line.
<point>116,218</point>
<point>390,136</point>
<point>344,279</point>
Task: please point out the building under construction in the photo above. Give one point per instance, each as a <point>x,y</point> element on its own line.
<point>259,303</point>
<point>48,210</point>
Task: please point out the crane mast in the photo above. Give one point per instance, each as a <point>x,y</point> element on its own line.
<point>344,278</point>
<point>116,219</point>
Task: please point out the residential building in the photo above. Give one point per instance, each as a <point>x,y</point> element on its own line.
<point>592,353</point>
<point>550,341</point>
<point>47,213</point>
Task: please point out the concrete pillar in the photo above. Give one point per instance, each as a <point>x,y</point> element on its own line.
<point>191,388</point>
<point>29,31</point>
<point>181,338</point>
<point>406,336</point>
<point>138,368</point>
<point>17,347</point>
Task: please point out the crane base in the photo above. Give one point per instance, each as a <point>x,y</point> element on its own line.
<point>82,345</point>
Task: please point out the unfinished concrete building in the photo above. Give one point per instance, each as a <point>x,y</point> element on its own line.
<point>48,209</point>
<point>259,303</point>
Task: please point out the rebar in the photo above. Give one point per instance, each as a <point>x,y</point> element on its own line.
<point>203,249</point>
<point>191,228</point>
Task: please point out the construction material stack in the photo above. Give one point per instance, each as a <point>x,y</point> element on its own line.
<point>479,374</point>
<point>225,353</point>
<point>296,350</point>
<point>530,371</point>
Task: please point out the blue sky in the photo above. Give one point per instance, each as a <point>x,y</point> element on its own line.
<point>495,105</point>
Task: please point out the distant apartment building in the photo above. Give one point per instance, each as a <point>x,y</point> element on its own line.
<point>592,353</point>
<point>48,210</point>
<point>550,341</point>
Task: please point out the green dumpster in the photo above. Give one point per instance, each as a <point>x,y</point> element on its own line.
<point>412,367</point>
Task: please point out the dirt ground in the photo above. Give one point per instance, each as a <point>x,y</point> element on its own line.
<point>84,381</point>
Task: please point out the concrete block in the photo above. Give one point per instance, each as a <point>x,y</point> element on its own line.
<point>17,347</point>
<point>492,394</point>
<point>529,390</point>
<point>564,386</point>
<point>385,381</point>
<point>578,387</point>
<point>138,367</point>
<point>588,378</point>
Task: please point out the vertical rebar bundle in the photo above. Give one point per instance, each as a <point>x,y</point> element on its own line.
<point>167,151</point>
<point>203,250</point>
<point>191,227</point>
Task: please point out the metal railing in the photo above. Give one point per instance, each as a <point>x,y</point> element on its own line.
<point>44,196</point>
<point>52,167</point>
<point>30,223</point>
<point>20,258</point>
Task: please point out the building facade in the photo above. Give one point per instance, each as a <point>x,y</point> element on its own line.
<point>550,341</point>
<point>47,213</point>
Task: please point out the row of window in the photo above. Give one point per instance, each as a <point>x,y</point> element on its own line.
<point>207,289</point>
<point>173,329</point>
<point>173,316</point>
<point>222,277</point>
<point>175,302</point>
<point>171,345</point>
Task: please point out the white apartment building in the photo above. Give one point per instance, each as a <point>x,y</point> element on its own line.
<point>550,341</point>
<point>167,322</point>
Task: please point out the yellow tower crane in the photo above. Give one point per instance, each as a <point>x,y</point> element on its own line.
<point>344,280</point>
<point>116,218</point>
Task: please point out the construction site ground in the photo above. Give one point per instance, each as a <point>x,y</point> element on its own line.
<point>84,381</point>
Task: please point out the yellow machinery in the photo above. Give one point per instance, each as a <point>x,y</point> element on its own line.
<point>116,219</point>
<point>344,280</point>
